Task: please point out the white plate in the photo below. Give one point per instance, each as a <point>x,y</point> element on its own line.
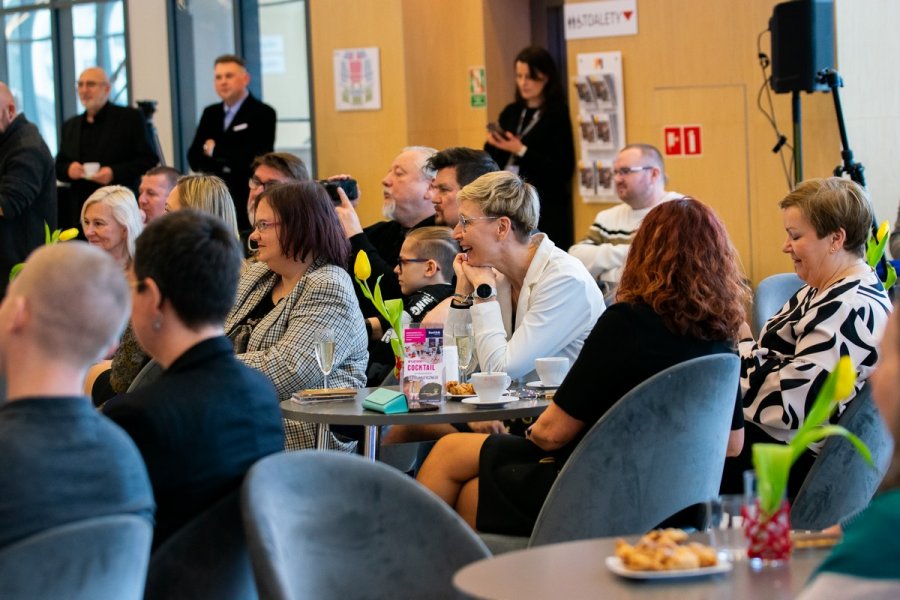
<point>614,564</point>
<point>460,396</point>
<point>540,385</point>
<point>479,403</point>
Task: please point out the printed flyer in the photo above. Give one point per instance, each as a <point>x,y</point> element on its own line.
<point>423,364</point>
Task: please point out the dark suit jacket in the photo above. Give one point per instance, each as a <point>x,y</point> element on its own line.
<point>251,133</point>
<point>124,145</point>
<point>27,194</point>
<point>200,426</point>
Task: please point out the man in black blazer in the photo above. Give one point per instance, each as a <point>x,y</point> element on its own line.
<point>116,137</point>
<point>232,133</point>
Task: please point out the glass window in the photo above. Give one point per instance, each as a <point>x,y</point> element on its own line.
<point>99,41</point>
<point>30,68</point>
<point>213,24</point>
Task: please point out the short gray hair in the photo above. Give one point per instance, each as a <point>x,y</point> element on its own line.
<point>125,212</point>
<point>502,194</point>
<point>425,153</point>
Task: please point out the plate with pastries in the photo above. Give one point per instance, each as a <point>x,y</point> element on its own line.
<point>665,554</point>
<point>458,391</point>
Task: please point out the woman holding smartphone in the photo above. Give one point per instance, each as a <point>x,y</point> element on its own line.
<point>533,138</point>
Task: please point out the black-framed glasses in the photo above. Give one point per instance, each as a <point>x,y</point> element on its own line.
<point>464,220</point>
<point>402,261</point>
<point>255,183</point>
<point>624,171</point>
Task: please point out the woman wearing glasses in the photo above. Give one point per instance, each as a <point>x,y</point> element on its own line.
<point>298,287</point>
<point>525,297</point>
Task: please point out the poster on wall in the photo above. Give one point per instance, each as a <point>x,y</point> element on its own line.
<point>601,122</point>
<point>357,79</point>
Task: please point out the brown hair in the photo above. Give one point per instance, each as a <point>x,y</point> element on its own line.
<point>287,164</point>
<point>309,225</point>
<point>831,204</point>
<point>436,243</point>
<point>683,265</point>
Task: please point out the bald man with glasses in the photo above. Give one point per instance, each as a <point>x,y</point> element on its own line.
<point>117,138</point>
<point>640,180</point>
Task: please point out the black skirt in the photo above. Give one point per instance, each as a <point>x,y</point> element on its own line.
<point>514,479</point>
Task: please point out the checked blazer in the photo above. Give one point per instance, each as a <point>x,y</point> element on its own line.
<point>282,343</point>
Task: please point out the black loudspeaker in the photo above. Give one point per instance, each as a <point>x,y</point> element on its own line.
<point>802,44</point>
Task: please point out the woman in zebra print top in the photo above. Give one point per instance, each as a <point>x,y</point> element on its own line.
<point>842,310</point>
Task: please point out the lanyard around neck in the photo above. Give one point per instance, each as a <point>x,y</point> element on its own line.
<point>520,133</point>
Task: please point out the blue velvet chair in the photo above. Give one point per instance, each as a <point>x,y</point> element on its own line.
<point>102,557</point>
<point>840,483</point>
<point>331,525</point>
<point>771,294</point>
<point>658,450</point>
<point>207,558</point>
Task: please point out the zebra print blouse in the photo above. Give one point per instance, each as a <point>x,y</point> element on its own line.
<point>782,372</point>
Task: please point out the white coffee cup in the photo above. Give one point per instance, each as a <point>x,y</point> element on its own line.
<point>552,370</point>
<point>91,169</point>
<point>490,386</point>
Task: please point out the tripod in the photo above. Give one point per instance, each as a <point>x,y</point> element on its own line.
<point>148,108</point>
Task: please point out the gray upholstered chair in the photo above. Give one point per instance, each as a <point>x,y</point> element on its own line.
<point>102,557</point>
<point>207,558</point>
<point>331,525</point>
<point>771,294</point>
<point>658,450</point>
<point>147,375</point>
<point>840,483</point>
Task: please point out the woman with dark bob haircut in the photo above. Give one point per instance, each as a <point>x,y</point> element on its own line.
<point>681,297</point>
<point>298,287</point>
<point>842,310</point>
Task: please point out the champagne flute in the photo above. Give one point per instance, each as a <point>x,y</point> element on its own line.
<point>465,347</point>
<point>325,352</point>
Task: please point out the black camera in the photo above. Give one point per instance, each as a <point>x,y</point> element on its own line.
<point>148,107</point>
<point>348,185</point>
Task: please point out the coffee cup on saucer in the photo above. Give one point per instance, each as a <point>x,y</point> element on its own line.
<point>490,386</point>
<point>552,370</point>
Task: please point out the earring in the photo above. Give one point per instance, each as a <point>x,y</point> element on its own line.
<point>833,249</point>
<point>157,324</point>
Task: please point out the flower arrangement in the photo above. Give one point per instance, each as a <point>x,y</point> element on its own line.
<point>49,239</point>
<point>875,250</point>
<point>392,309</point>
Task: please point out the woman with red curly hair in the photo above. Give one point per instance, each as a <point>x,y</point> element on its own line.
<point>681,297</point>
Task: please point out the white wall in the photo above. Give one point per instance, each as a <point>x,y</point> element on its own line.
<point>148,52</point>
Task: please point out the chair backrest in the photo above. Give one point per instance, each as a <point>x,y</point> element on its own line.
<point>771,294</point>
<point>147,375</point>
<point>840,483</point>
<point>333,525</point>
<point>206,558</point>
<point>658,450</point>
<point>101,557</point>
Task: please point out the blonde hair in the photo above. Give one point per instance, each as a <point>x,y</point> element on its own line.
<point>502,194</point>
<point>208,194</point>
<point>436,243</point>
<point>125,212</point>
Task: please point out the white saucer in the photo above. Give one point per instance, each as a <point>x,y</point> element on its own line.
<point>614,564</point>
<point>540,385</point>
<point>479,403</point>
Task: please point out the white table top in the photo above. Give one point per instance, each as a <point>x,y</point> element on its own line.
<point>577,570</point>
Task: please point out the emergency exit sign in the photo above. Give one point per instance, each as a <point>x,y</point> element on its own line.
<point>682,140</point>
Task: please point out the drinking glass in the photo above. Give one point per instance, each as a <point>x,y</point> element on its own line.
<point>465,347</point>
<point>325,352</point>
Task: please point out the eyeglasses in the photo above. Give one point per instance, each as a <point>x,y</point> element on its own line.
<point>401,262</point>
<point>265,225</point>
<point>464,221</point>
<point>255,183</point>
<point>628,170</point>
<point>88,84</point>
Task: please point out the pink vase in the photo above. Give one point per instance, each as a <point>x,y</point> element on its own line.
<point>768,536</point>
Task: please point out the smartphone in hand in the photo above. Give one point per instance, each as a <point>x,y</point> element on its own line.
<point>495,128</point>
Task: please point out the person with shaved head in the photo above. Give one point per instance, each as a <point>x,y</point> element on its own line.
<point>27,186</point>
<point>60,460</point>
<point>116,138</point>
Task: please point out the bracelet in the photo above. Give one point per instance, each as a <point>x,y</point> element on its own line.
<point>463,297</point>
<point>462,305</point>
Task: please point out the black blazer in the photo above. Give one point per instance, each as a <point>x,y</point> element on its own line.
<point>124,145</point>
<point>199,427</point>
<point>251,134</point>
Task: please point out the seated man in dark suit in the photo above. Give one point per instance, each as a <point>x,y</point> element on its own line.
<point>60,460</point>
<point>208,417</point>
<point>233,132</point>
<point>116,137</point>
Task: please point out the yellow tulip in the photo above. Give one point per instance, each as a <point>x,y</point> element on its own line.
<point>846,378</point>
<point>68,234</point>
<point>362,268</point>
<point>882,231</point>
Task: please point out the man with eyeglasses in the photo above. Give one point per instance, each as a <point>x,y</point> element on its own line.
<point>640,180</point>
<point>233,132</point>
<point>105,145</point>
<point>267,170</point>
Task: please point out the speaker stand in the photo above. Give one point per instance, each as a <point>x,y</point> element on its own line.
<point>798,136</point>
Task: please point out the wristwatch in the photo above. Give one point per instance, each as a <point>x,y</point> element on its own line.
<point>485,291</point>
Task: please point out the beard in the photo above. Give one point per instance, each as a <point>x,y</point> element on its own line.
<point>389,209</point>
